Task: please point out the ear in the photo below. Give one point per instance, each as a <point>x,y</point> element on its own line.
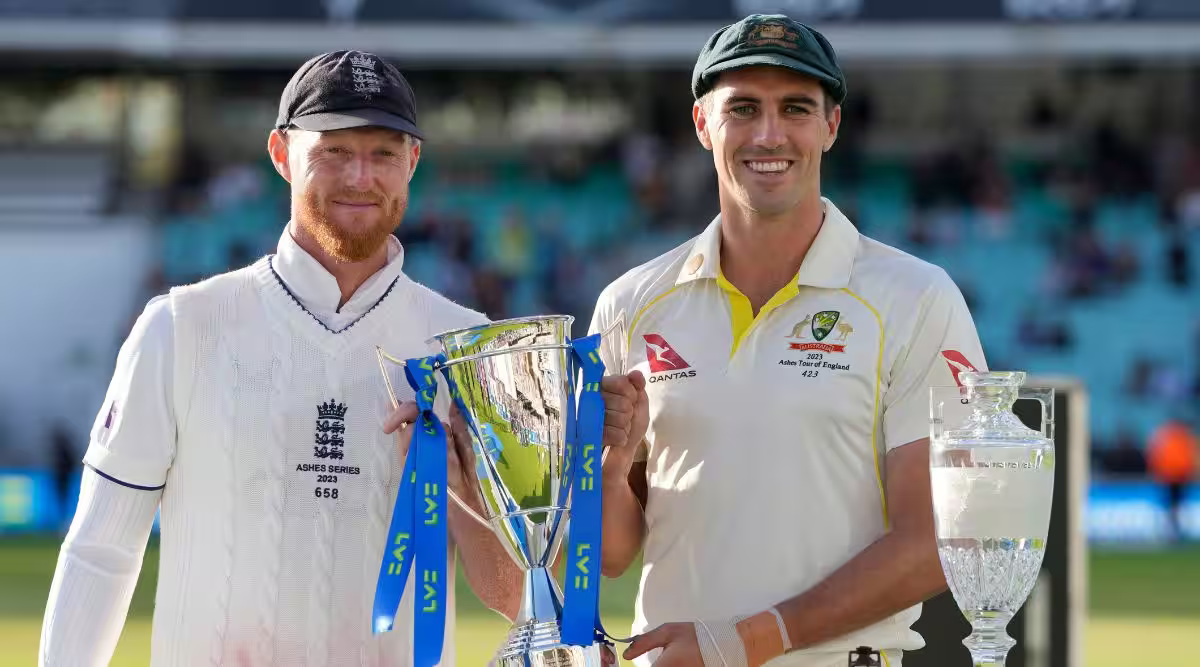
<point>700,118</point>
<point>835,121</point>
<point>414,156</point>
<point>277,148</point>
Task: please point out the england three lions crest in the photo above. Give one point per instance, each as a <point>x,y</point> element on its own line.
<point>331,427</point>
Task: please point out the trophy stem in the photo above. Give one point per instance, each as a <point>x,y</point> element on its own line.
<point>535,640</point>
<point>989,642</point>
<point>541,599</point>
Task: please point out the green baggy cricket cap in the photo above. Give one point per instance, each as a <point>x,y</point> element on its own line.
<point>769,39</point>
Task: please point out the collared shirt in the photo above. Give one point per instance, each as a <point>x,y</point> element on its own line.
<point>317,289</point>
<point>768,432</point>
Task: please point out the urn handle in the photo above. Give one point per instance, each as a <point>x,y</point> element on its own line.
<point>1045,396</point>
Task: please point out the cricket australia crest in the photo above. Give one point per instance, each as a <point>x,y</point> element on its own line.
<point>820,325</point>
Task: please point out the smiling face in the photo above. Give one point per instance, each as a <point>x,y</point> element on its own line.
<point>349,187</point>
<point>767,128</point>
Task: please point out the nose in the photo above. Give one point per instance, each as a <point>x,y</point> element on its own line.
<point>358,173</point>
<point>768,133</point>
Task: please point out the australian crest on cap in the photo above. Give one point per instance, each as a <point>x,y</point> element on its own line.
<point>773,33</point>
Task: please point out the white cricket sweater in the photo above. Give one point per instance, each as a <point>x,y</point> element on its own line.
<point>274,413</point>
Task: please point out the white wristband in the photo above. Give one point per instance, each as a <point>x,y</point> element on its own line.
<point>720,644</point>
<point>783,633</point>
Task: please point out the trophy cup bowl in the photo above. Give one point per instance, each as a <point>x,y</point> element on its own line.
<point>992,485</point>
<point>514,385</point>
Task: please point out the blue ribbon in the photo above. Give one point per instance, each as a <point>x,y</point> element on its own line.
<point>417,532</point>
<point>418,528</point>
<point>581,607</point>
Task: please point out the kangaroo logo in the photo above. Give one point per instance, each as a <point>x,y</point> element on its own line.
<point>661,356</point>
<point>798,330</point>
<point>958,364</point>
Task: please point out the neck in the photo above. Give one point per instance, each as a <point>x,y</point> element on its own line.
<point>759,254</point>
<point>349,275</point>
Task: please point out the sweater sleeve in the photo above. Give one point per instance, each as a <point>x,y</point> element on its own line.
<point>133,439</point>
<point>97,570</point>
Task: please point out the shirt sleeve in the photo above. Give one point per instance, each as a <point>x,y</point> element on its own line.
<point>612,323</point>
<point>132,441</point>
<point>943,343</point>
<point>97,571</point>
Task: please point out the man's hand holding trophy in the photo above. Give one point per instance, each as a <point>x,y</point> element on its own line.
<point>522,453</point>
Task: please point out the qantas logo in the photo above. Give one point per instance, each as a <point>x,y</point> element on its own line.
<point>958,364</point>
<point>662,356</point>
<point>664,359</point>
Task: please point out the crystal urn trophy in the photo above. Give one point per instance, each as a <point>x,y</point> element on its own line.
<point>992,484</point>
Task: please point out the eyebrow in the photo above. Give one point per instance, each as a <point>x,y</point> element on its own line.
<point>388,141</point>
<point>787,99</point>
<point>383,134</point>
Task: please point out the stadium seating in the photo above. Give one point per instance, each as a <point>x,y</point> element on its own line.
<point>523,223</point>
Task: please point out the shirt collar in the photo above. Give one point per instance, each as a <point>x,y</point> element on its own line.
<point>317,289</point>
<point>828,263</point>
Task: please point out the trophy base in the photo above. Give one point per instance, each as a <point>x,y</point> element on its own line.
<point>539,645</point>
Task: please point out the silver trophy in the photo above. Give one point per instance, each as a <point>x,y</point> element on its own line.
<point>992,482</point>
<point>510,379</point>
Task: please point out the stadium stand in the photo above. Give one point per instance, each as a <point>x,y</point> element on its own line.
<point>1061,281</point>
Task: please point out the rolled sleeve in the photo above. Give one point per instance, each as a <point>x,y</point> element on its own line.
<point>943,343</point>
<point>611,323</point>
<point>132,441</point>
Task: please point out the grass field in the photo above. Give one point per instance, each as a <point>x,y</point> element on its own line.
<point>1144,609</point>
<point>27,567</point>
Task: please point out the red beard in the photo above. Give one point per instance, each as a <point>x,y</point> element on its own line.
<point>353,245</point>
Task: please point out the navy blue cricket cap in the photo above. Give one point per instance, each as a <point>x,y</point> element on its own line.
<point>769,39</point>
<point>343,89</point>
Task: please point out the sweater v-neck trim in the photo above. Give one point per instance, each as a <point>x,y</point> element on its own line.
<point>304,320</point>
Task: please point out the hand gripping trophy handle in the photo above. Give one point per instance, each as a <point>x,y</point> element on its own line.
<point>462,504</point>
<point>530,397</point>
<point>614,340</point>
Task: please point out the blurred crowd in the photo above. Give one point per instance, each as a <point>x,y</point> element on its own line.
<point>1077,257</point>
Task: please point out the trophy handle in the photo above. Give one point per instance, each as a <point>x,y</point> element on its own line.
<point>614,343</point>
<point>938,397</point>
<point>467,508</point>
<point>387,379</point>
<point>1045,396</point>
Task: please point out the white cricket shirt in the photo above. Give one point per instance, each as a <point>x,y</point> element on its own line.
<point>768,434</point>
<point>258,407</point>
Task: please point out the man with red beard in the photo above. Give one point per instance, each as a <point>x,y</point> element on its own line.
<point>250,410</point>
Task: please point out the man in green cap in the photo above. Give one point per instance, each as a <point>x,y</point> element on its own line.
<point>766,423</point>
